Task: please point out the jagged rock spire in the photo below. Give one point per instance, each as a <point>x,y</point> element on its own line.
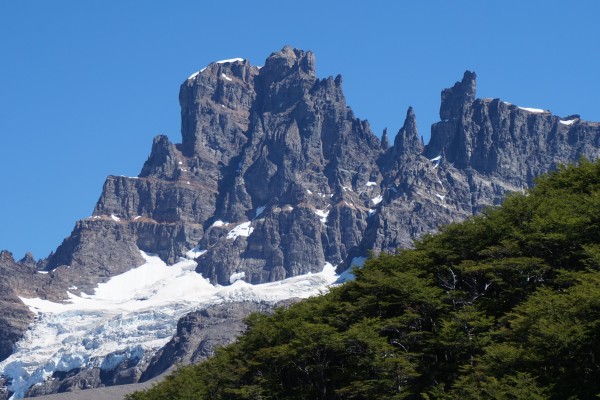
<point>385,141</point>
<point>290,58</point>
<point>28,260</point>
<point>289,70</point>
<point>456,97</point>
<point>407,140</point>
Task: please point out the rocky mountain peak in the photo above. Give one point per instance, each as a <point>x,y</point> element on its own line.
<point>215,105</point>
<point>6,256</point>
<point>163,160</point>
<point>407,140</point>
<point>28,260</point>
<point>275,177</point>
<point>287,76</point>
<point>289,60</point>
<point>462,94</point>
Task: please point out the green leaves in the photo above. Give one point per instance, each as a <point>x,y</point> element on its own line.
<point>503,306</point>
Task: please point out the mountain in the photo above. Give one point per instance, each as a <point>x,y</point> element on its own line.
<point>274,179</point>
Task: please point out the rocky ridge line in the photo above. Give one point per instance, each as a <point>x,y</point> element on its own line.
<point>276,176</point>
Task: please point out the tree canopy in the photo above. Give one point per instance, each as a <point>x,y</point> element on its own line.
<point>505,305</point>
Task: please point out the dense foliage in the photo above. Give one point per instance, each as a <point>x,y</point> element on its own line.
<point>503,306</point>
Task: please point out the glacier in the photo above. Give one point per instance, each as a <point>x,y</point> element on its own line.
<point>131,316</point>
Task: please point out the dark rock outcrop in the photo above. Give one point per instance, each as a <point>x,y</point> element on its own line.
<point>200,333</point>
<point>16,278</point>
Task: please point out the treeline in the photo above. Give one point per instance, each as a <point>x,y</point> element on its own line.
<point>503,306</point>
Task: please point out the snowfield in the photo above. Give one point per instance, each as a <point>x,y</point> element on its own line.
<point>131,316</point>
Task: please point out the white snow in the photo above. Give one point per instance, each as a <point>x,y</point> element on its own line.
<point>243,229</point>
<point>131,315</point>
<point>218,62</point>
<point>377,200</point>
<point>42,272</point>
<point>115,218</point>
<point>259,211</point>
<point>231,60</point>
<point>308,191</point>
<point>237,276</point>
<point>436,161</point>
<point>371,211</point>
<point>370,183</point>
<point>137,217</point>
<point>195,253</point>
<point>439,196</point>
<point>323,215</point>
<point>567,122</point>
<point>226,77</point>
<point>180,163</point>
<point>533,110</point>
<point>219,223</point>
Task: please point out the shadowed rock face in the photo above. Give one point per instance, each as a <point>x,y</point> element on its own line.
<point>15,316</point>
<point>275,176</point>
<point>201,332</point>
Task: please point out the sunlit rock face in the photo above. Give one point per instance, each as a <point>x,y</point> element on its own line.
<point>274,178</point>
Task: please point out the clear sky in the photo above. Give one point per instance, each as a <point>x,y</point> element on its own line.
<point>85,86</point>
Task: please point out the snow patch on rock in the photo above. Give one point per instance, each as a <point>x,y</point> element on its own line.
<point>195,253</point>
<point>237,276</point>
<point>567,122</point>
<point>323,215</point>
<point>219,223</point>
<point>243,229</point>
<point>377,200</point>
<point>533,110</point>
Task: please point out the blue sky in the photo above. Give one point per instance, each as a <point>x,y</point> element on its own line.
<point>85,86</point>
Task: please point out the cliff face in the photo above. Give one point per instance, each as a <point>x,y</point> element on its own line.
<point>270,179</point>
<point>275,176</point>
<point>15,316</point>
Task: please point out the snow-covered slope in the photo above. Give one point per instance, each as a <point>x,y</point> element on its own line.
<point>131,316</point>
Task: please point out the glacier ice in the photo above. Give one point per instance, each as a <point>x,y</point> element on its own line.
<point>131,316</point>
